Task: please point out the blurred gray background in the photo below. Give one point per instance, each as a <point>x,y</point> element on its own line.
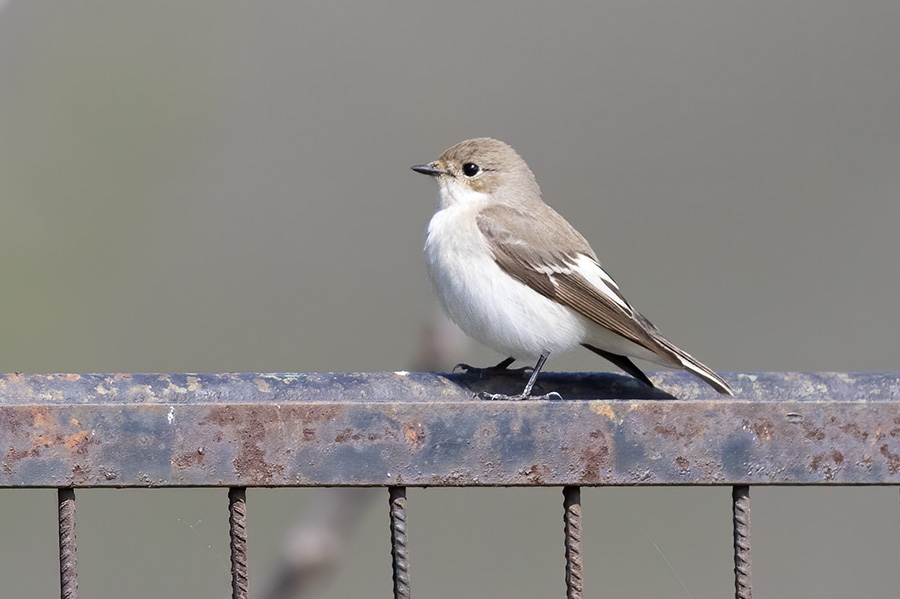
<point>225,186</point>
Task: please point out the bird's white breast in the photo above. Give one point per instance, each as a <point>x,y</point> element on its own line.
<point>485,302</point>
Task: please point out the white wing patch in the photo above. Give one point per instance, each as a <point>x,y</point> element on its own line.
<point>552,270</point>
<point>594,274</point>
<point>588,269</point>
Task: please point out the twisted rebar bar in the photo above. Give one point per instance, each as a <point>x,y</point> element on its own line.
<point>399,550</point>
<point>237,521</point>
<point>740,497</point>
<point>572,519</point>
<point>68,562</point>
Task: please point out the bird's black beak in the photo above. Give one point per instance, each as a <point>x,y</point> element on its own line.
<point>428,169</point>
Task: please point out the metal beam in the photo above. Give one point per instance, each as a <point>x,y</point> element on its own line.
<point>423,429</point>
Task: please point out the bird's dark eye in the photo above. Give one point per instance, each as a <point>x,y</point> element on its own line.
<point>470,169</point>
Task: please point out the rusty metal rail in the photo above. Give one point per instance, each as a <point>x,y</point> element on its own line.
<point>404,429</point>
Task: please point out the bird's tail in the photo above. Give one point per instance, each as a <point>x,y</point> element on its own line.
<point>695,367</point>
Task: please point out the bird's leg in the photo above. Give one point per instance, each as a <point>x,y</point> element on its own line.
<point>501,368</point>
<point>535,373</point>
<point>504,364</point>
<point>526,394</point>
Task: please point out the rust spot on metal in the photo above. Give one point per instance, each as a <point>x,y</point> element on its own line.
<point>454,477</point>
<point>816,462</point>
<point>821,460</point>
<point>346,435</point>
<point>828,463</point>
<point>219,416</point>
<point>251,459</point>
<point>812,432</point>
<point>13,455</point>
<point>41,417</point>
<point>537,473</point>
<point>414,433</point>
<point>312,413</point>
<point>79,473</point>
<point>763,428</point>
<point>852,429</point>
<point>896,430</point>
<point>892,458</point>
<point>23,422</point>
<point>188,460</point>
<point>40,441</point>
<point>247,428</point>
<point>668,431</point>
<point>603,409</point>
<point>78,442</point>
<point>596,462</point>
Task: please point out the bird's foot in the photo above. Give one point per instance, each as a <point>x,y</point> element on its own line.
<point>501,369</point>
<point>519,397</point>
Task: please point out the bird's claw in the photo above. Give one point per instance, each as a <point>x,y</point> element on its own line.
<point>553,395</point>
<point>464,368</point>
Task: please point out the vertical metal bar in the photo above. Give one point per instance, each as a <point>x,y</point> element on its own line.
<point>68,562</point>
<point>237,522</point>
<point>572,520</point>
<point>399,550</point>
<point>740,498</point>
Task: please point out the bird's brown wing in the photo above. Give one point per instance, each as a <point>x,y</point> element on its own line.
<point>543,251</point>
<point>547,254</point>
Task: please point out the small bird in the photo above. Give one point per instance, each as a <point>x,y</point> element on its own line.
<point>517,277</point>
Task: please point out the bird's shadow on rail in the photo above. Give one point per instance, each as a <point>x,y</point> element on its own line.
<point>569,385</point>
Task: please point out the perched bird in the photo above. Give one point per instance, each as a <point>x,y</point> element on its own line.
<point>517,277</point>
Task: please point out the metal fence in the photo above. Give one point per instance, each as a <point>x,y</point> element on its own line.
<point>401,429</point>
